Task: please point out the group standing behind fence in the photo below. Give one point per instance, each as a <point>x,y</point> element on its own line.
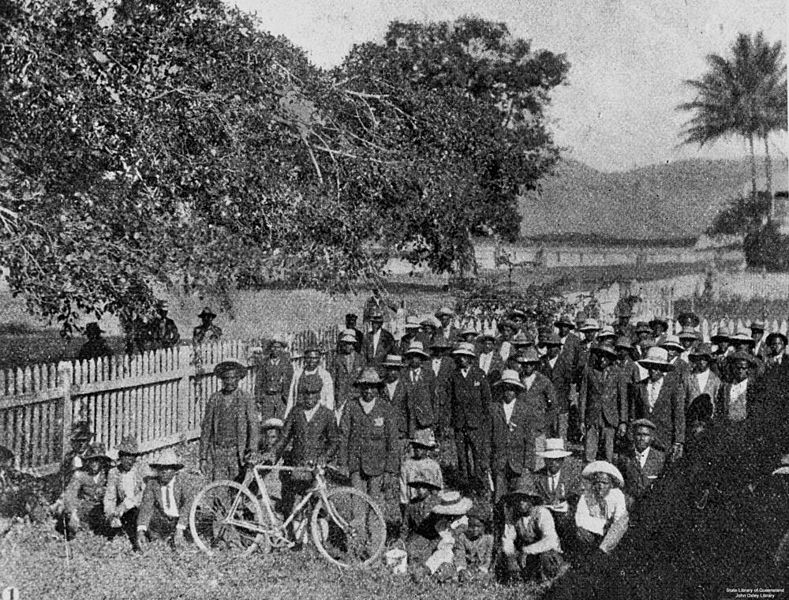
<point>555,436</point>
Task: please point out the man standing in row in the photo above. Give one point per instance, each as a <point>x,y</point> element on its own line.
<point>273,380</point>
<point>377,343</point>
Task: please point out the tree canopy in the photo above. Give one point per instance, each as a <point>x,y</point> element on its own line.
<point>177,142</point>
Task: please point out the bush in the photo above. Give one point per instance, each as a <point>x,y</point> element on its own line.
<point>766,248</point>
<point>742,215</point>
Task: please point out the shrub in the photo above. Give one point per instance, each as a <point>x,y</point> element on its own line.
<point>765,247</point>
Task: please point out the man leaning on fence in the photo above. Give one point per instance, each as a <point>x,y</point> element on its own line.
<point>230,428</point>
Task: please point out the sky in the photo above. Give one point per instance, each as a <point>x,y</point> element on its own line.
<point>629,59</point>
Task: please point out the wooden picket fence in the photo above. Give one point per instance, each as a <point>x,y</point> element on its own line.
<point>157,397</point>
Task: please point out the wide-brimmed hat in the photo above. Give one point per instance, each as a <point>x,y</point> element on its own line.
<point>431,321</point>
<point>465,349</point>
<point>93,328</point>
<point>643,423</point>
<point>451,503</point>
<point>440,343</point>
<point>602,466</point>
<point>425,438</point>
<point>524,487</point>
<point>349,336</point>
<point>624,342</point>
<point>740,337</point>
<point>168,459</point>
<point>784,468</point>
<point>368,377</point>
<point>659,321</point>
<point>689,334</point>
<point>416,347</point>
<point>207,312</point>
<point>273,423</point>
<point>589,325</point>
<point>376,316</point>
<point>425,479</point>
<point>701,350</point>
<point>565,320</point>
<point>393,360</point>
<point>278,338</point>
<point>722,335</point>
<point>643,327</point>
<point>445,311</point>
<point>529,355</point>
<point>671,342</point>
<point>606,331</point>
<point>128,446</point>
<point>517,312</point>
<point>509,377</point>
<point>484,337</point>
<point>740,355</point>
<point>96,450</point>
<point>230,365</point>
<point>551,339</point>
<point>554,448</point>
<point>521,339</point>
<point>775,334</point>
<point>757,325</point>
<point>507,323</point>
<point>412,322</point>
<point>688,319</point>
<point>468,331</point>
<point>606,349</point>
<point>657,359</point>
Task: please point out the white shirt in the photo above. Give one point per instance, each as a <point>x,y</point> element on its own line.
<point>702,378</point>
<point>436,364</point>
<point>464,372</point>
<point>505,350</point>
<point>737,399</point>
<point>308,414</point>
<point>597,518</point>
<point>367,407</point>
<point>508,408</point>
<point>553,481</point>
<point>169,504</point>
<point>484,361</point>
<point>376,339</point>
<point>552,361</point>
<point>415,374</point>
<point>391,387</point>
<point>642,456</point>
<point>529,381</point>
<point>653,391</point>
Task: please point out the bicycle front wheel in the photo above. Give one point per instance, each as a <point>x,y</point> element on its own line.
<point>226,516</point>
<point>348,528</point>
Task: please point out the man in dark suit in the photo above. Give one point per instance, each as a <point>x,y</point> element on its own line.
<point>661,399</point>
<point>369,445</point>
<point>272,381</point>
<point>603,402</point>
<point>470,399</point>
<point>421,410</point>
<point>393,390</point>
<point>347,365</point>
<point>443,366</point>
<point>377,343</point>
<point>560,485</point>
<point>560,365</point>
<point>512,435</point>
<point>642,464</point>
<point>538,397</point>
<point>166,501</point>
<point>231,427</point>
<point>490,360</point>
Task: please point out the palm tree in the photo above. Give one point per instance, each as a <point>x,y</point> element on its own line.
<point>743,95</point>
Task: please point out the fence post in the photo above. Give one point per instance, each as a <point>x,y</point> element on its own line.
<point>184,387</point>
<point>65,374</point>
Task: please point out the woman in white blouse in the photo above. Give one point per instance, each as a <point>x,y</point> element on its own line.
<point>601,515</point>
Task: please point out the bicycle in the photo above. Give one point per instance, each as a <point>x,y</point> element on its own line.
<point>347,527</point>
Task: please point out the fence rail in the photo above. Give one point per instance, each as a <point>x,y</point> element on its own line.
<point>156,397</point>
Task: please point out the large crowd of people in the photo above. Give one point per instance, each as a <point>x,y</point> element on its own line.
<point>510,455</point>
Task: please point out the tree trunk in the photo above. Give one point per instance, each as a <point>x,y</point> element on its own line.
<point>753,167</point>
<point>768,174</point>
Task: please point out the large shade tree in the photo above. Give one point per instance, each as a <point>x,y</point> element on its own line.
<point>742,94</point>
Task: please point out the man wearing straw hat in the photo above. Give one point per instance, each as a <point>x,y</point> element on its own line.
<point>559,484</point>
<point>124,488</point>
<point>347,365</point>
<point>421,411</point>
<point>661,399</point>
<point>230,430</point>
<point>470,399</point>
<point>273,379</point>
<point>603,403</point>
<point>601,516</point>
<point>206,332</point>
<point>166,501</point>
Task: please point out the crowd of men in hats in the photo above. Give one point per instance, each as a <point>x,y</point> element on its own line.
<point>555,436</point>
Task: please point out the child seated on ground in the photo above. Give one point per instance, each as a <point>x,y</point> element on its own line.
<point>83,501</point>
<point>473,549</point>
<point>419,468</point>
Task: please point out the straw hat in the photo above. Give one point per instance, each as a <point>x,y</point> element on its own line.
<point>524,487</point>
<point>644,423</point>
<point>228,366</point>
<point>757,325</point>
<point>623,342</point>
<point>606,331</point>
<point>554,448</point>
<point>520,339</point>
<point>483,337</point>
<point>552,339</point>
<point>656,358</point>
<point>671,342</point>
<point>701,350</point>
<point>689,334</point>
<point>128,446</point>
<point>393,360</point>
<point>416,348</point>
<point>273,423</point>
<point>565,320</point>
<point>784,468</point>
<point>167,460</point>
<point>445,311</point>
<point>430,321</point>
<point>96,450</point>
<point>589,325</point>
<point>452,503</point>
<point>741,337</point>
<point>425,438</point>
<point>530,355</point>
<point>605,348</point>
<point>468,331</point>
<point>465,349</point>
<point>723,335</point>
<point>368,377</point>
<point>441,343</point>
<point>509,377</point>
<point>602,466</point>
<point>643,327</point>
<point>348,335</point>
<point>412,322</point>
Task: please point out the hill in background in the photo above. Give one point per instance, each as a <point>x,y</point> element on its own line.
<point>675,200</point>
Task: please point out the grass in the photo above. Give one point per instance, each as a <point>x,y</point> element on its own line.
<point>755,308</point>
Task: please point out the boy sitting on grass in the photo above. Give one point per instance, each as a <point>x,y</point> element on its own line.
<point>473,549</point>
<point>419,468</point>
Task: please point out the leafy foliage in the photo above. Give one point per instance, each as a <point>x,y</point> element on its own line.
<point>742,215</point>
<point>766,248</point>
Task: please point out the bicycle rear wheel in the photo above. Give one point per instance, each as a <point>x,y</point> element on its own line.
<point>351,531</point>
<point>227,516</point>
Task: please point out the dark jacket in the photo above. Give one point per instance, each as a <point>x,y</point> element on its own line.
<point>274,379</point>
<point>470,399</point>
<point>421,410</point>
<point>539,401</point>
<point>668,414</point>
<point>344,375</point>
<point>443,403</point>
<point>247,425</point>
<point>183,491</point>
<point>385,345</point>
<point>569,486</point>
<point>398,402</point>
<point>603,394</point>
<point>512,444</point>
<point>637,479</point>
<point>315,441</point>
<point>369,443</point>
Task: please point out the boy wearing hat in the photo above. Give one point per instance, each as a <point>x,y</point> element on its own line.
<point>348,363</point>
<point>231,426</point>
<point>166,501</point>
<point>473,551</point>
<point>642,464</point>
<point>603,403</point>
<point>449,517</point>
<point>206,332</point>
<point>470,399</point>
<point>83,499</point>
<point>272,381</point>
<point>124,488</point>
<point>530,544</point>
<point>601,516</point>
<point>421,411</point>
<point>418,469</point>
<point>661,399</point>
<point>377,343</point>
<point>96,346</point>
<point>311,378</point>
<point>369,447</point>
